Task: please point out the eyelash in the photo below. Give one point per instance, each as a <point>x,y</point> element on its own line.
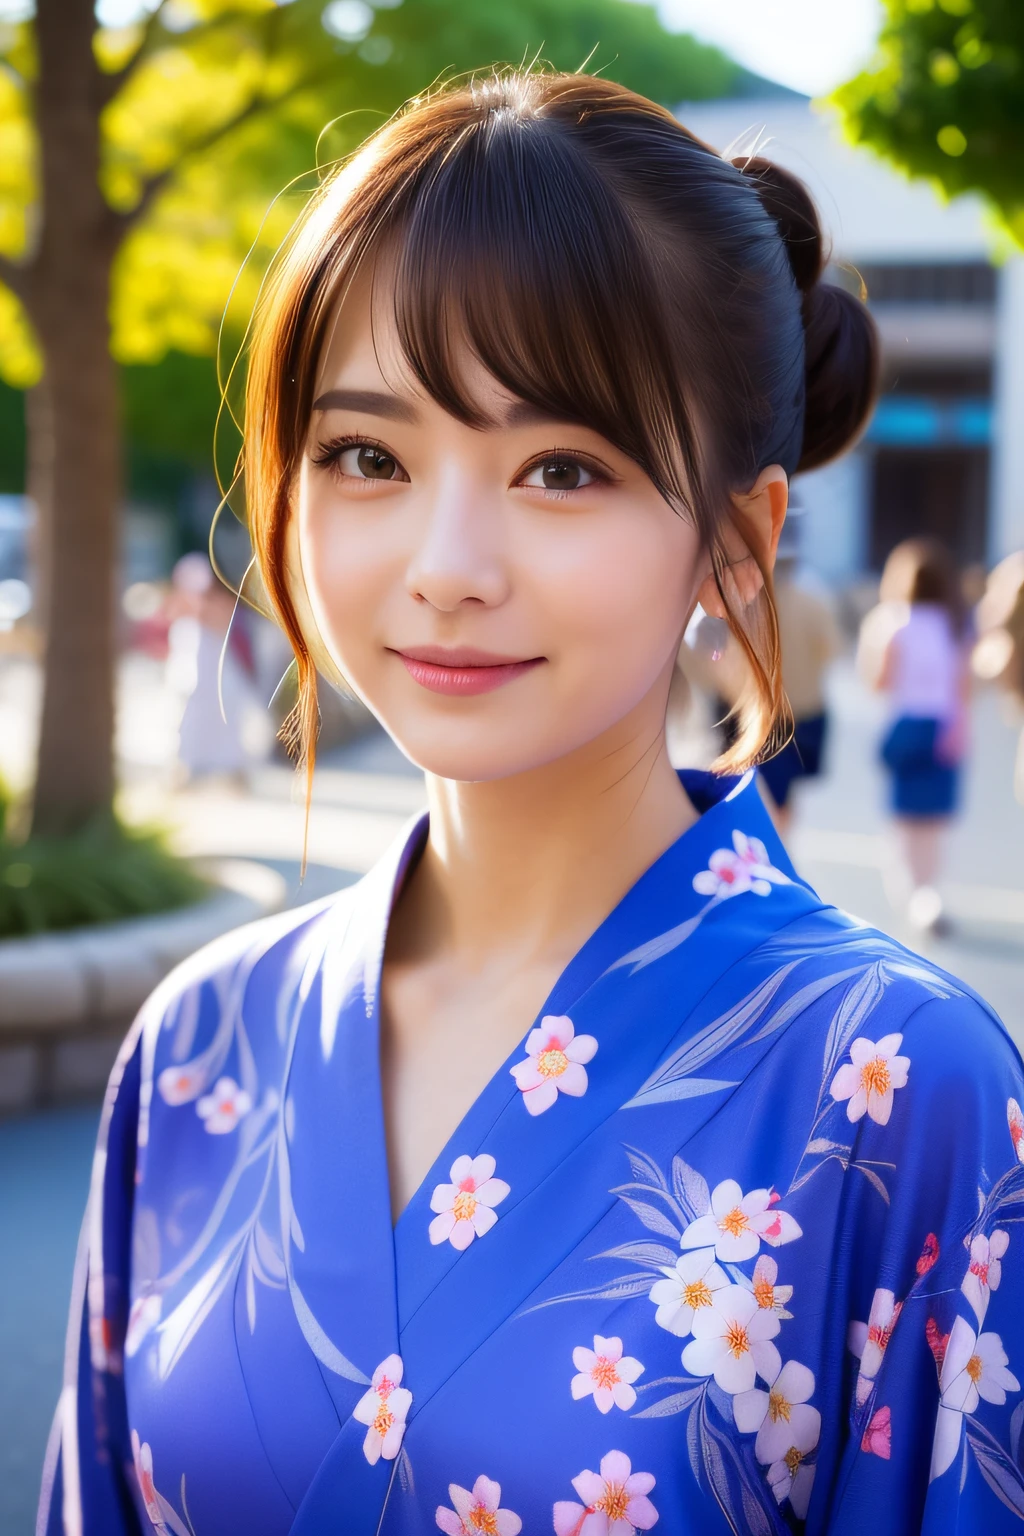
<point>329,454</point>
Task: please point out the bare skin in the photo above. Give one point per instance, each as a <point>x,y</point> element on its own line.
<point>550,794</point>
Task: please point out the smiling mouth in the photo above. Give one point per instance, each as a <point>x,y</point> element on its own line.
<point>460,671</point>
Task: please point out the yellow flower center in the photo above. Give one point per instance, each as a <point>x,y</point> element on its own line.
<point>383,1420</point>
<point>614,1501</point>
<point>697,1294</point>
<point>465,1204</point>
<point>734,1222</point>
<point>764,1294</point>
<point>485,1520</point>
<point>552,1062</point>
<point>793,1458</point>
<point>974,1368</point>
<point>874,1075</point>
<point>736,1340</point>
<point>778,1407</point>
<point>605,1372</point>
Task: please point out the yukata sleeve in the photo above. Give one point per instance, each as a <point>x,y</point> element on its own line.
<point>936,1343</point>
<point>88,1479</point>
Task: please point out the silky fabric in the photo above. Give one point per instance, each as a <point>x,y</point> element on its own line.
<point>729,1243</point>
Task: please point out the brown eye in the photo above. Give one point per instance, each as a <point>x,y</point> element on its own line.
<point>371,463</point>
<point>559,474</point>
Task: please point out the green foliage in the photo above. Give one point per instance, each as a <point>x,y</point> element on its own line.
<point>945,98</point>
<point>100,874</point>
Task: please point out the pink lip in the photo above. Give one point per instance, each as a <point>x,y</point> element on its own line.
<point>462,671</point>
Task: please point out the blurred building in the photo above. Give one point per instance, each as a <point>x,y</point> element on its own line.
<point>944,454</point>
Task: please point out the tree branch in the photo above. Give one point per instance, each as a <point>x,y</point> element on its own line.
<point>108,85</point>
<point>155,185</point>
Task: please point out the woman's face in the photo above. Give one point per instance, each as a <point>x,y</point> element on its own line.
<point>499,598</point>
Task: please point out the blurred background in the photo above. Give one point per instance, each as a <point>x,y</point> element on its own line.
<point>144,145</point>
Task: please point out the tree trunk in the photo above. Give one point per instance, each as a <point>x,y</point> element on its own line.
<point>78,462</point>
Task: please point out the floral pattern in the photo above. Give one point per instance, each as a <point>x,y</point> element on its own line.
<point>605,1374</point>
<point>689,1286</point>
<point>974,1366</point>
<point>477,1513</point>
<point>870,1078</point>
<point>743,867</point>
<point>221,1110</point>
<point>737,1224</point>
<point>384,1407</point>
<point>615,1501</point>
<point>732,1341</point>
<point>985,1270</point>
<point>555,1057</point>
<point>465,1207</point>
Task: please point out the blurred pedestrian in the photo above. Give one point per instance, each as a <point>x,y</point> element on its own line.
<point>998,655</point>
<point>204,625</point>
<point>914,649</point>
<point>809,639</point>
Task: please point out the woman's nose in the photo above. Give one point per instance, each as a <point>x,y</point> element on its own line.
<point>458,558</point>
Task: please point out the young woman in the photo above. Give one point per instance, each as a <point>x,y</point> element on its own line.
<point>914,649</point>
<point>579,1170</point>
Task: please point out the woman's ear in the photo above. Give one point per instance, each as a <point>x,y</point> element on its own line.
<point>753,531</point>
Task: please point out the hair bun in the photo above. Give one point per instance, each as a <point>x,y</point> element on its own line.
<point>840,339</point>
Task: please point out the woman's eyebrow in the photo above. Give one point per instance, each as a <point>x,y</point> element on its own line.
<point>371,402</point>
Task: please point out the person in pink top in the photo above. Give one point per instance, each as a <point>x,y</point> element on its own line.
<point>913,648</point>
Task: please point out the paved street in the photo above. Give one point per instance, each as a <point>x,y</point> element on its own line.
<point>364,792</point>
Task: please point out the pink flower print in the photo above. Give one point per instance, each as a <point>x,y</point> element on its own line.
<point>477,1512</point>
<point>465,1207</point>
<point>877,1438</point>
<point>143,1459</point>
<point>985,1270</point>
<point>179,1085</point>
<point>937,1341</point>
<point>869,1340</point>
<point>1015,1120</point>
<point>766,1293</point>
<point>691,1285</point>
<point>737,1223</point>
<point>732,1341</point>
<point>605,1372</point>
<point>615,1501</point>
<point>221,1110</point>
<point>555,1056</point>
<point>743,867</point>
<point>974,1367</point>
<point>870,1078</point>
<point>929,1254</point>
<point>384,1407</point>
<point>787,1430</point>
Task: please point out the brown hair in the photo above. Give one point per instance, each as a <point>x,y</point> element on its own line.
<point>922,571</point>
<point>603,264</point>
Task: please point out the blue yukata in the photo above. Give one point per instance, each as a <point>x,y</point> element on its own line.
<point>730,1243</point>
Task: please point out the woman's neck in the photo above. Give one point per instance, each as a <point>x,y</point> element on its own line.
<point>532,864</point>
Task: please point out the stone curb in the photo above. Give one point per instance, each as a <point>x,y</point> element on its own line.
<point>66,999</point>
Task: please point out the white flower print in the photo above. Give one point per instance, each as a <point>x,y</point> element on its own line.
<point>605,1372</point>
<point>743,867</point>
<point>465,1207</point>
<point>766,1293</point>
<point>732,1341</point>
<point>142,1456</point>
<point>792,1479</point>
<point>555,1057</point>
<point>782,1417</point>
<point>384,1406</point>
<point>973,1367</point>
<point>1015,1120</point>
<point>178,1085</point>
<point>477,1512</point>
<point>615,1501</point>
<point>869,1340</point>
<point>221,1110</point>
<point>870,1078</point>
<point>737,1223</point>
<point>691,1285</point>
<point>985,1270</point>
